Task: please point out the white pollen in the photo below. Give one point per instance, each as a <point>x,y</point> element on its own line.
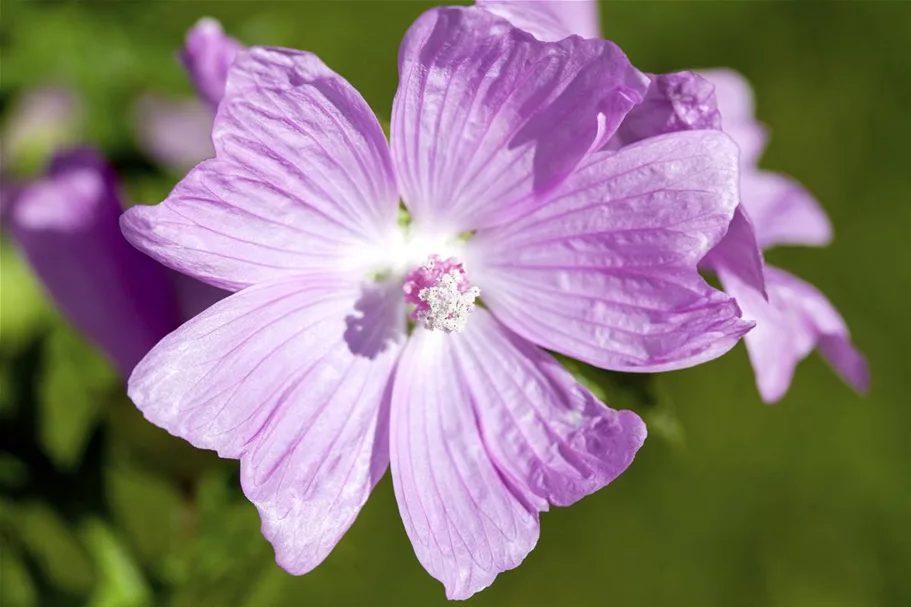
<point>448,307</point>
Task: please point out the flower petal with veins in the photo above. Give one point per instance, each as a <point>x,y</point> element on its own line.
<point>472,132</point>
<point>249,214</point>
<point>606,272</point>
<point>290,377</point>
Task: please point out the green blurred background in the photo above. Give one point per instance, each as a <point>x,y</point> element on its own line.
<point>730,502</point>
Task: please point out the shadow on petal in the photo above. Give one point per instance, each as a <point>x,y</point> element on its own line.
<point>377,321</point>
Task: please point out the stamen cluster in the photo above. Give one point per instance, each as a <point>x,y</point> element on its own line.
<point>442,294</point>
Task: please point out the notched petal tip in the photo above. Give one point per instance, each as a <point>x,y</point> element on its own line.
<point>549,20</point>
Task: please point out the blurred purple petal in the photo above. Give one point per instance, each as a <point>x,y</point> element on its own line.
<point>796,319</point>
<point>174,132</point>
<point>207,56</point>
<point>274,376</point>
<point>473,120</point>
<point>9,191</point>
<point>45,118</point>
<point>734,97</point>
<point>66,225</point>
<point>194,296</point>
<point>606,272</point>
<point>783,211</point>
<point>803,303</point>
<point>774,346</point>
<point>549,20</point>
<point>251,215</point>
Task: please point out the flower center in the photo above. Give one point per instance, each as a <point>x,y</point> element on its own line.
<point>442,294</point>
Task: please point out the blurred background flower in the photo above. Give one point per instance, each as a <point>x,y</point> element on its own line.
<point>729,503</point>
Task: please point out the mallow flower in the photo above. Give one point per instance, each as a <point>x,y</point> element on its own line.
<point>792,317</point>
<point>367,333</point>
<point>66,226</point>
<point>175,132</point>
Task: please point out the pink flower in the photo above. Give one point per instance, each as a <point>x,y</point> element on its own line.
<point>525,234</point>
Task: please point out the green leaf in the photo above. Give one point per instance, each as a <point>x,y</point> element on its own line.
<point>25,308</point>
<point>16,586</point>
<point>228,552</point>
<point>120,581</point>
<point>134,436</point>
<point>147,508</point>
<point>76,382</point>
<point>13,472</point>
<point>54,546</point>
<point>148,189</point>
<point>663,422</point>
<point>618,390</point>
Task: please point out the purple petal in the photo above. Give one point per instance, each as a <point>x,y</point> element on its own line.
<point>465,523</point>
<point>739,253</point>
<point>302,181</point>
<point>549,19</point>
<point>783,211</point>
<point>290,377</point>
<point>175,133</point>
<point>803,302</point>
<point>9,192</point>
<point>734,97</point>
<point>473,134</point>
<point>207,56</point>
<point>680,101</point>
<point>775,345</point>
<point>193,296</point>
<point>553,440</point>
<point>66,225</point>
<point>796,319</point>
<point>606,272</point>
